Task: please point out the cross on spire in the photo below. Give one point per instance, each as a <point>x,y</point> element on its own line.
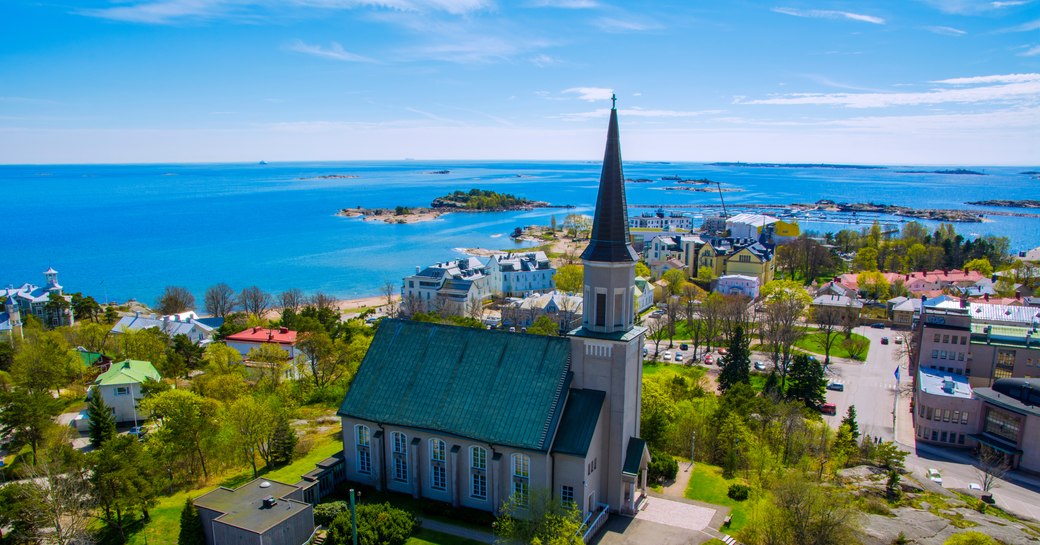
<point>613,101</point>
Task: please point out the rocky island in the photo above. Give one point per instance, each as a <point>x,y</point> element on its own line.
<point>474,200</point>
<point>330,177</point>
<point>1026,203</point>
<point>961,216</point>
<point>955,172</point>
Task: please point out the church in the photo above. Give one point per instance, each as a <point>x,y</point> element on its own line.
<point>473,417</point>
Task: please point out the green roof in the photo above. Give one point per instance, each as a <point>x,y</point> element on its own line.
<point>619,336</point>
<point>88,358</point>
<point>491,386</point>
<point>634,456</point>
<point>580,416</point>
<point>127,372</point>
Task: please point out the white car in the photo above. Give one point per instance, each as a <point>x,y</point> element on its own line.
<point>667,356</point>
<point>935,476</point>
<point>678,356</point>
<point>975,486</point>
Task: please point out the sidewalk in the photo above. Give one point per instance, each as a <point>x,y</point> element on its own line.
<point>457,530</point>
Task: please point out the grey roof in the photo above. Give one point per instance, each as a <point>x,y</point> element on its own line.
<point>609,241</point>
<point>578,424</point>
<point>517,261</point>
<point>837,301</point>
<point>1004,400</point>
<point>243,506</point>
<point>935,382</point>
<point>170,327</point>
<point>1011,314</point>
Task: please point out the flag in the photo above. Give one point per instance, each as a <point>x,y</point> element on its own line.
<point>897,374</point>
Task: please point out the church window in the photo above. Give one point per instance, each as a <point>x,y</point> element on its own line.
<point>438,479</point>
<point>478,472</point>
<point>601,309</point>
<point>364,455</point>
<point>521,479</point>
<point>567,495</point>
<point>400,456</point>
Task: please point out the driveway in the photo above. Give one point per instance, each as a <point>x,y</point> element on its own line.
<point>870,385</point>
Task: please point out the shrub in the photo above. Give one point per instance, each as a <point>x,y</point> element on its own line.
<point>663,467</point>
<point>377,524</point>
<point>738,492</point>
<point>325,513</point>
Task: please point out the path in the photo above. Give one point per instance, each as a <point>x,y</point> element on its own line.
<point>457,530</point>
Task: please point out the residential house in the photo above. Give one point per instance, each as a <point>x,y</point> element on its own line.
<point>673,251</point>
<point>120,387</point>
<point>454,287</point>
<point>520,274</point>
<point>187,324</point>
<point>904,311</point>
<point>835,287</point>
<point>494,415</point>
<point>919,283</point>
<point>644,294</point>
<point>33,300</point>
<point>261,511</point>
<point>841,302</point>
<point>738,284</point>
<point>743,256</point>
<point>564,309</point>
<point>255,337</point>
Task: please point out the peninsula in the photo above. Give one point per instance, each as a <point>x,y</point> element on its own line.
<point>474,200</point>
<point>1026,203</point>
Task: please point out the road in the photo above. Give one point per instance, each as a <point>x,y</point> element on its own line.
<point>870,385</point>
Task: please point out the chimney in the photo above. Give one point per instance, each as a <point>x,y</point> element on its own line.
<point>1018,295</point>
<point>137,314</point>
<point>269,502</point>
<point>985,296</point>
<point>256,328</point>
<point>964,302</point>
<point>283,330</point>
<point>993,277</point>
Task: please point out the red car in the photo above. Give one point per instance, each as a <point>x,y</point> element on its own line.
<point>829,408</point>
<point>707,359</point>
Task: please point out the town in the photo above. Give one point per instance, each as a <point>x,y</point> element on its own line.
<point>631,380</point>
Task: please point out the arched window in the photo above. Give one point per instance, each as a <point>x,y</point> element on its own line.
<point>478,472</point>
<point>400,455</point>
<point>364,454</point>
<point>521,479</point>
<point>438,478</point>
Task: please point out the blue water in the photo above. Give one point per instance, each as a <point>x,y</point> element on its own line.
<point>121,231</point>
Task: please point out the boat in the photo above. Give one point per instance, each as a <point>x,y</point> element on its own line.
<point>262,163</point>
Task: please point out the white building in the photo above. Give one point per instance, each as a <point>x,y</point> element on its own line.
<point>120,387</point>
<point>673,221</point>
<point>520,274</point>
<point>564,309</point>
<point>737,284</point>
<point>748,225</point>
<point>172,325</point>
<point>33,299</point>
<point>452,286</point>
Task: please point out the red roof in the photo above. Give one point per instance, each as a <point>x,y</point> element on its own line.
<point>263,335</point>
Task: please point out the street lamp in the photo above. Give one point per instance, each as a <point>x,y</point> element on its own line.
<point>693,450</point>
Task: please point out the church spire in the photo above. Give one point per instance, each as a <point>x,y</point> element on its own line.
<point>610,242</point>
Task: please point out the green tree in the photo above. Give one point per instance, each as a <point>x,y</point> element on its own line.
<point>26,416</point>
<point>111,315</point>
<point>102,420</point>
<point>801,511</point>
<point>784,304</point>
<point>657,414</point>
<point>283,442</point>
<point>377,524</point>
<point>541,520</point>
<point>44,361</point>
<point>705,274</point>
<point>544,325</point>
<point>844,448</point>
<point>675,278</point>
<point>642,270</point>
<point>866,259</point>
<point>85,308</point>
<point>191,525</point>
<point>570,278</point>
<point>56,307</point>
<point>174,300</point>
<point>191,353</point>
<point>122,478</point>
<point>850,421</point>
<point>252,423</point>
<point>188,425</point>
<point>873,284</point>
<point>274,362</point>
<point>151,345</point>
<point>981,264</point>
<point>733,441</point>
<point>806,382</point>
<point>738,361</point>
<point>20,507</point>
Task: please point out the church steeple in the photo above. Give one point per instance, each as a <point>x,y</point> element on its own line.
<point>610,243</point>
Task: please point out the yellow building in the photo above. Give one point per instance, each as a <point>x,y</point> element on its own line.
<point>737,256</point>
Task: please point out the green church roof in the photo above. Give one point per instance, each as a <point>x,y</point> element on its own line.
<point>634,456</point>
<point>578,424</point>
<point>491,386</point>
<point>127,372</point>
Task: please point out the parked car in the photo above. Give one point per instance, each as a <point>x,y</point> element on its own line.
<point>836,386</point>
<point>645,351</point>
<point>975,486</point>
<point>723,351</point>
<point>760,365</point>
<point>667,356</point>
<point>829,408</point>
<point>707,359</point>
<point>899,339</point>
<point>684,346</point>
<point>877,325</point>
<point>884,340</point>
<point>678,356</point>
<point>935,476</point>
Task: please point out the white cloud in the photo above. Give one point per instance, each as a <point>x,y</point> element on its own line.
<point>334,52</point>
<point>999,5</point>
<point>172,11</point>
<point>830,14</point>
<point>1031,52</point>
<point>980,89</point>
<point>945,30</point>
<point>542,60</point>
<point>1024,27</point>
<point>591,94</point>
<point>610,24</point>
<point>565,4</point>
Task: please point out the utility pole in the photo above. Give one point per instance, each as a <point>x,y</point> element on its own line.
<point>693,450</point>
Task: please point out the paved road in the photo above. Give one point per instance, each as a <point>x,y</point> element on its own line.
<point>870,385</point>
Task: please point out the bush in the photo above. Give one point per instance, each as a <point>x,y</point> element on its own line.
<point>738,492</point>
<point>325,513</point>
<point>663,467</point>
<point>377,524</point>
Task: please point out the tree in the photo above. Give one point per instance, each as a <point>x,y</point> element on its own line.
<point>784,302</point>
<point>326,360</point>
<point>642,270</point>
<point>122,478</point>
<point>873,284</point>
<point>570,278</point>
<point>190,353</point>
<point>188,425</point>
<point>219,300</point>
<point>283,442</point>
<point>390,295</point>
<point>738,362</point>
<point>857,347</point>
<point>544,325</point>
<point>85,308</point>
<point>151,345</point>
<point>991,467</point>
<point>540,519</point>
<point>273,360</point>
<point>804,512</point>
<point>889,456</point>
<point>866,259</point>
<point>292,300</point>
<point>26,416</point>
<point>844,447</point>
<point>191,532</point>
<point>252,424</point>
<point>64,493</point>
<point>377,524</point>
<point>982,265</point>
<point>828,320</point>
<point>56,307</point>
<point>255,301</point>
<point>675,278</point>
<point>20,508</point>
<point>711,317</point>
<point>174,300</point>
<point>850,421</point>
<point>44,361</point>
<point>806,382</point>
<point>705,274</point>
<point>102,420</point>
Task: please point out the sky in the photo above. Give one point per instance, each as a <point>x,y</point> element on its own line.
<point>916,82</point>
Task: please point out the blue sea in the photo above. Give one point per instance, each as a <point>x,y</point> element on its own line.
<point>126,231</point>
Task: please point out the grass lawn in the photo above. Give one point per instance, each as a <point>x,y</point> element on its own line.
<point>707,485</point>
<point>165,523</point>
<point>429,537</point>
<point>810,343</point>
<point>694,372</point>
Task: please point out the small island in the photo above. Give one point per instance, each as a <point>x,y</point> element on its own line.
<point>960,216</point>
<point>702,189</point>
<point>794,165</point>
<point>438,172</point>
<point>1026,203</point>
<point>638,180</point>
<point>955,172</point>
<point>474,200</point>
<point>330,177</point>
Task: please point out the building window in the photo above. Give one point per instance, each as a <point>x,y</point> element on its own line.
<point>521,479</point>
<point>936,337</point>
<point>478,472</point>
<point>438,475</point>
<point>935,354</point>
<point>942,355</point>
<point>567,495</point>
<point>946,339</point>
<point>122,390</point>
<point>1002,424</point>
<point>964,339</point>
<point>400,455</point>
<point>1005,364</point>
<point>964,417</point>
<point>946,415</point>
<point>960,438</point>
<point>960,356</point>
<point>956,417</point>
<point>364,455</point>
<point>942,437</point>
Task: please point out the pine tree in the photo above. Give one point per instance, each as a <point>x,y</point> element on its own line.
<point>850,421</point>
<point>772,386</point>
<point>102,421</point>
<point>283,442</point>
<point>805,381</point>
<point>738,362</point>
<point>191,526</point>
